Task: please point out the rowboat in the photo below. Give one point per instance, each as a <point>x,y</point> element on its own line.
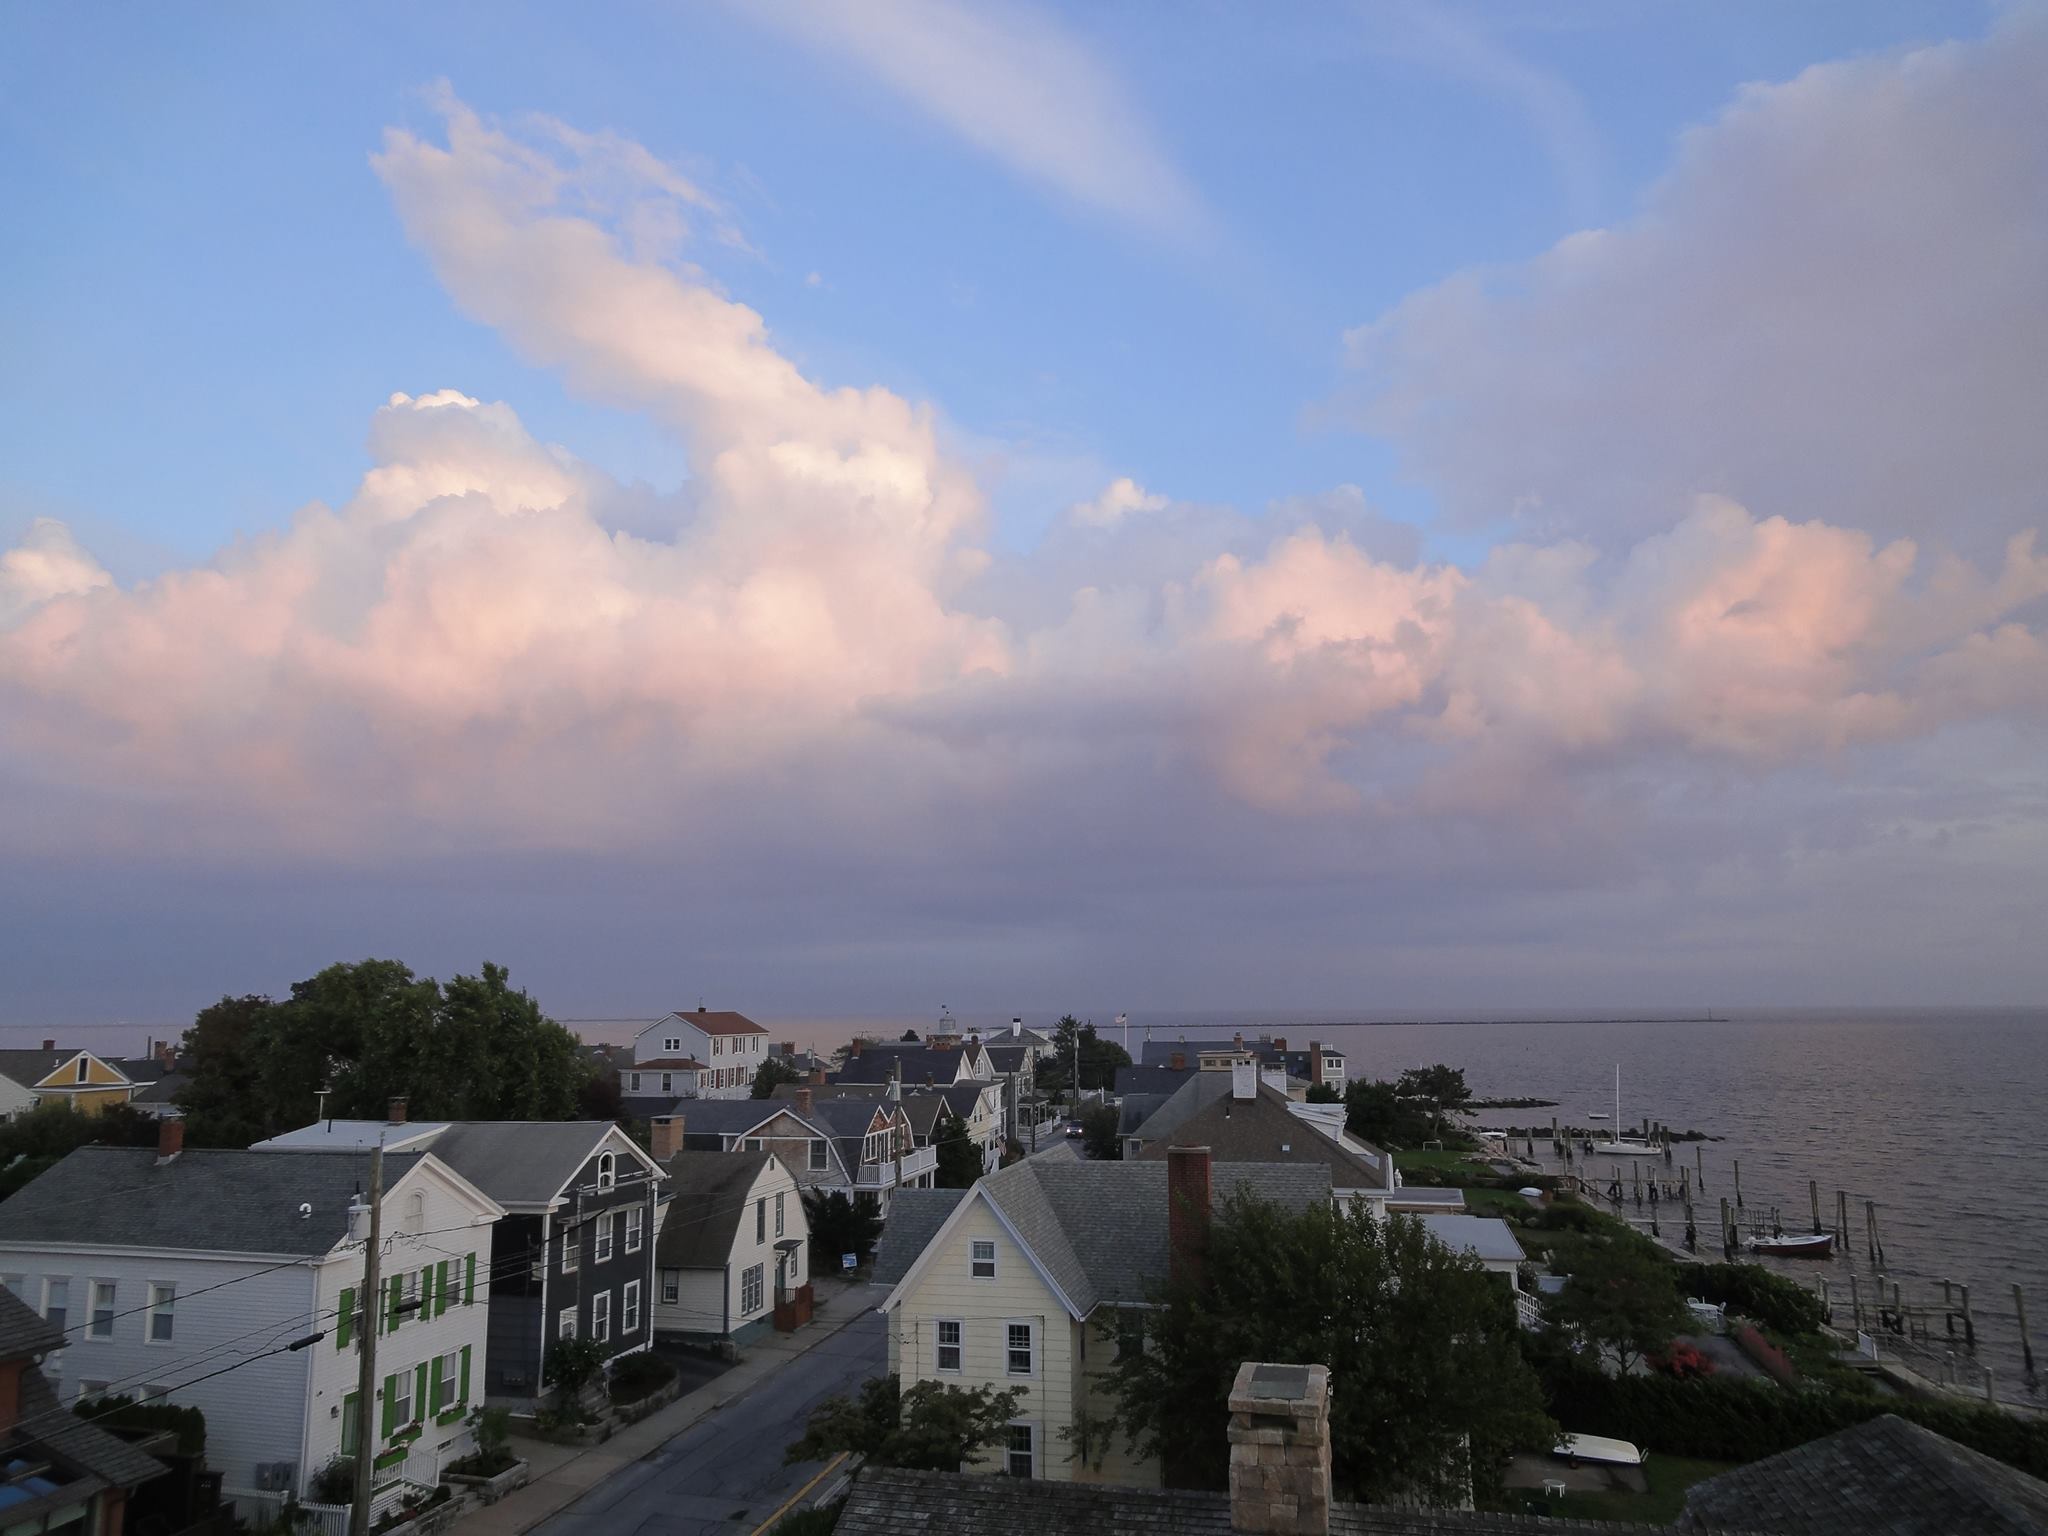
<point>1612,1453</point>
<point>1802,1245</point>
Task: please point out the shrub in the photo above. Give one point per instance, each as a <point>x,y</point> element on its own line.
<point>1782,1305</point>
<point>638,1376</point>
<point>334,1483</point>
<point>570,1365</point>
<point>1681,1360</point>
<point>118,1413</point>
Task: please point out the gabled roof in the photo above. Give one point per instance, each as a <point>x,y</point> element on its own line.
<point>915,1216</point>
<point>355,1136</point>
<point>664,1064</point>
<point>922,1111</point>
<point>1884,1475</point>
<point>1009,1058</point>
<point>709,1200</point>
<point>104,1459</point>
<point>1260,1129</point>
<point>529,1163</point>
<point>1097,1231</point>
<point>30,1067</point>
<point>725,1117</point>
<point>914,1064</point>
<point>24,1331</point>
<point>714,1021</point>
<point>1196,1093</point>
<point>965,1098</point>
<point>1152,1079</point>
<point>208,1199</point>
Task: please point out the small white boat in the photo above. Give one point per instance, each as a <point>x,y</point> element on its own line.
<point>1598,1114</point>
<point>1801,1245</point>
<point>1598,1448</point>
<point>1619,1145</point>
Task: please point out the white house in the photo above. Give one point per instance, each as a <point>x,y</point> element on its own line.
<point>231,1281</point>
<point>703,1054</point>
<point>733,1252</point>
<point>1019,1282</point>
<point>861,1148</point>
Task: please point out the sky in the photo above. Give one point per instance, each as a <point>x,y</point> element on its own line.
<point>838,509</point>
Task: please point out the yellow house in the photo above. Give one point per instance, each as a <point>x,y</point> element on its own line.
<point>54,1075</point>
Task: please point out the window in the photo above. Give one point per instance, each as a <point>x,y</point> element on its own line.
<point>668,1082</point>
<point>634,1079</point>
<point>351,1424</point>
<point>607,1170</point>
<point>1020,1452</point>
<point>1019,1353</point>
<point>671,1287</point>
<point>750,1290</point>
<point>636,1220</point>
<point>565,1325</point>
<point>447,1380</point>
<point>983,1266</point>
<point>572,1244</point>
<point>82,1068</point>
<point>602,1248</point>
<point>778,1213</point>
<point>398,1394</point>
<point>718,1045</point>
<point>415,1213</point>
<point>57,1300</point>
<point>672,1043</point>
<point>601,1316</point>
<point>629,1321</point>
<point>950,1331</point>
<point>760,1221</point>
<point>1130,1335</point>
<point>754,1144</point>
<point>102,1310</point>
<point>819,1158</point>
<point>163,1301</point>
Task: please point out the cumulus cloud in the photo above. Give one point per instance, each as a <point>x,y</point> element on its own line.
<point>1119,499</point>
<point>47,563</point>
<point>1831,306</point>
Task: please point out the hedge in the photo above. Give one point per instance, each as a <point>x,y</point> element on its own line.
<point>126,1413</point>
<point>1726,1420</point>
<point>1782,1305</point>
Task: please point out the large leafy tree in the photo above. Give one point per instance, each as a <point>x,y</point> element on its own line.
<point>33,1141</point>
<point>1429,1390</point>
<point>839,1226</point>
<point>1439,1090</point>
<point>1620,1295</point>
<point>1099,1137</point>
<point>772,1074</point>
<point>959,1161</point>
<point>223,1098</point>
<point>933,1426</point>
<point>1099,1059</point>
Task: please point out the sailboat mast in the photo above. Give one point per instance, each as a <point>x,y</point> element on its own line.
<point>1617,1101</point>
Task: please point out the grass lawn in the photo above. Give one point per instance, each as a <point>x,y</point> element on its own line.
<point>1432,1161</point>
<point>1494,1202</point>
<point>1668,1477</point>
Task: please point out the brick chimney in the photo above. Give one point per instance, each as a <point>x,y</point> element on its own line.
<point>1315,1061</point>
<point>167,1054</point>
<point>1180,1061</point>
<point>170,1138</point>
<point>817,1077</point>
<point>397,1113</point>
<point>49,1045</point>
<point>803,1102</point>
<point>1187,1212</point>
<point>1237,1041</point>
<point>1280,1449</point>
<point>665,1137</point>
<point>854,1048</point>
<point>1280,1045</point>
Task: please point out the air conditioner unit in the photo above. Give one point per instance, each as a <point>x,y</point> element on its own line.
<point>274,1476</point>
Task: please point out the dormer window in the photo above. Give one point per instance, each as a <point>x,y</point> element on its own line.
<point>81,1069</point>
<point>607,1170</point>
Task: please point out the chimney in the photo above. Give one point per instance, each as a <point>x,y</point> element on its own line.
<point>170,1138</point>
<point>665,1137</point>
<point>1244,1080</point>
<point>1187,1212</point>
<point>854,1049</point>
<point>1237,1041</point>
<point>817,1077</point>
<point>1016,1027</point>
<point>167,1054</point>
<point>1280,1046</point>
<point>1280,1449</point>
<point>1315,1061</point>
<point>1180,1061</point>
<point>803,1102</point>
<point>397,1114</point>
<point>49,1045</point>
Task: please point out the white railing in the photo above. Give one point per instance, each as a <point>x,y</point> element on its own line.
<point>913,1165</point>
<point>262,1507</point>
<point>1528,1311</point>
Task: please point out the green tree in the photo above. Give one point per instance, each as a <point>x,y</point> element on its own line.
<point>959,1162</point>
<point>909,1036</point>
<point>1620,1295</point>
<point>1323,1093</point>
<point>932,1426</point>
<point>1440,1090</point>
<point>1099,1059</point>
<point>1099,1138</point>
<point>222,1097</point>
<point>38,1139</point>
<point>839,1226</point>
<point>772,1074</point>
<point>493,1055</point>
<point>1429,1390</point>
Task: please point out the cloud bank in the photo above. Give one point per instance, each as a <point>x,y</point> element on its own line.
<point>818,675</point>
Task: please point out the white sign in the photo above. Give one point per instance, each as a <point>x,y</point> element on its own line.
<point>849,1261</point>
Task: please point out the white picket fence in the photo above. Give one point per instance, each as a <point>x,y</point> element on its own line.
<point>262,1506</point>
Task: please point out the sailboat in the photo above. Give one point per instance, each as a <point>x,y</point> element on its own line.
<point>1618,1145</point>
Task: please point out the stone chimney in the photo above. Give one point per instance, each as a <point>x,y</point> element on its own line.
<point>1180,1061</point>
<point>397,1114</point>
<point>1244,1080</point>
<point>803,1102</point>
<point>817,1077</point>
<point>170,1138</point>
<point>1315,1061</point>
<point>1280,1449</point>
<point>1187,1212</point>
<point>665,1137</point>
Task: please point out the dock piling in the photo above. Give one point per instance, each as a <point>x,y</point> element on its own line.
<point>1856,1300</point>
<point>1870,1232</point>
<point>1813,1193</point>
<point>1969,1324</point>
<point>2019,1303</point>
<point>1699,1174</point>
<point>1842,1218</point>
<point>1738,1183</point>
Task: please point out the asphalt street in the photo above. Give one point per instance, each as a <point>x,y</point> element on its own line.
<point>724,1475</point>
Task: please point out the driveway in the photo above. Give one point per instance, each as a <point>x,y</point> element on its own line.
<point>724,1475</point>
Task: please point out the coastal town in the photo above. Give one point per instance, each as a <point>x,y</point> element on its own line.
<point>992,1278</point>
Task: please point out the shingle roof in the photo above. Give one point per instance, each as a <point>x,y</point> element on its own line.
<point>1008,1058</point>
<point>723,1117</point>
<point>1885,1475</point>
<point>922,1111</point>
<point>1151,1079</point>
<point>218,1200</point>
<point>912,1063</point>
<point>664,1064</point>
<point>1261,1129</point>
<point>1197,1093</point>
<point>719,1022</point>
<point>30,1067</point>
<point>1099,1229</point>
<point>893,1501</point>
<point>520,1162</point>
<point>915,1216</point>
<point>708,1198</point>
<point>108,1458</point>
<point>23,1331</point>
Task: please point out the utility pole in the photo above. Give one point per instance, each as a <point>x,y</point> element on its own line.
<point>366,1339</point>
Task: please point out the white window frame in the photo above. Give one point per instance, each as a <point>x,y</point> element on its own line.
<point>601,1316</point>
<point>607,1170</point>
<point>1030,1452</point>
<point>975,1258</point>
<point>601,1244</point>
<point>1030,1327</point>
<point>671,1287</point>
<point>779,1216</point>
<point>635,1080</point>
<point>92,1313</point>
<point>451,1382</point>
<point>760,1220</point>
<point>718,1045</point>
<point>636,1228</point>
<point>821,1157</point>
<point>402,1393</point>
<point>63,1318</point>
<point>629,1319</point>
<point>565,1323</point>
<point>88,1390</point>
<point>753,1283</point>
<point>668,1082</point>
<point>940,1346</point>
<point>162,1308</point>
<point>672,1043</point>
<point>572,1249</point>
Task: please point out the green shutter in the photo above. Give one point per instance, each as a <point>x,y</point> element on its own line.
<point>426,1293</point>
<point>390,1405</point>
<point>440,1288</point>
<point>344,1328</point>
<point>469,1280</point>
<point>463,1400</point>
<point>351,1426</point>
<point>433,1403</point>
<point>397,1299</point>
<point>419,1391</point>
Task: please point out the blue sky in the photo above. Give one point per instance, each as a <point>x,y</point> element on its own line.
<point>1422,505</point>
